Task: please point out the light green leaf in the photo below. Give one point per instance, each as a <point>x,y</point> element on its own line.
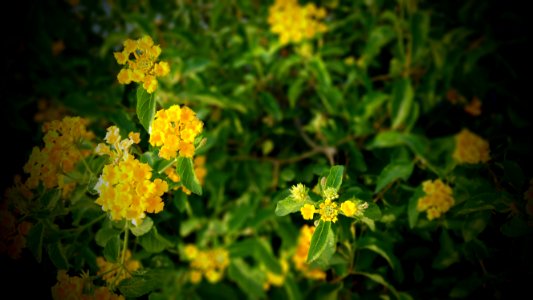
<point>287,206</point>
<point>402,101</point>
<point>318,241</point>
<point>412,211</point>
<point>185,170</point>
<point>142,228</point>
<point>392,172</point>
<point>145,108</point>
<point>334,178</point>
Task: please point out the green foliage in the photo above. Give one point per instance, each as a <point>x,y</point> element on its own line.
<point>364,115</point>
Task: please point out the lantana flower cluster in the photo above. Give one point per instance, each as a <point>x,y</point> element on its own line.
<point>470,148</point>
<point>210,263</point>
<point>274,279</point>
<point>328,209</point>
<point>141,65</point>
<point>60,154</point>
<point>12,233</point>
<point>125,187</point>
<point>438,199</point>
<point>76,287</point>
<point>300,255</point>
<point>294,23</point>
<point>174,130</point>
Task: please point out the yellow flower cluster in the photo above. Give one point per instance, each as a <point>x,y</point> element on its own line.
<point>210,264</point>
<point>300,255</point>
<point>174,129</point>
<point>294,23</point>
<point>276,279</point>
<point>60,154</point>
<point>113,273</point>
<point>77,287</point>
<point>12,235</point>
<point>438,198</point>
<point>199,170</point>
<point>299,192</point>
<point>470,148</point>
<point>125,189</point>
<point>352,209</point>
<point>140,60</point>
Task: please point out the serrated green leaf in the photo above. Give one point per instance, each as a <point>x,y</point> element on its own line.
<point>145,107</point>
<point>57,256</point>
<point>104,235</point>
<point>318,241</point>
<point>392,172</point>
<point>142,283</point>
<point>142,228</point>
<point>153,242</point>
<point>185,170</point>
<point>112,249</point>
<point>35,241</point>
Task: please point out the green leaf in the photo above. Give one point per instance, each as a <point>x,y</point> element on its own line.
<point>474,225</point>
<point>112,249</point>
<point>320,71</point>
<point>243,276</point>
<point>372,212</point>
<point>57,256</point>
<point>142,283</point>
<point>295,90</point>
<point>323,261</point>
<point>402,101</point>
<point>185,170</point>
<point>287,206</point>
<point>419,29</point>
<point>145,107</point>
<point>291,288</point>
<point>412,211</point>
<point>379,279</point>
<point>318,241</point>
<point>104,234</point>
<point>264,254</point>
<point>392,172</point>
<point>334,178</point>
<point>142,228</point>
<point>153,242</point>
<point>270,104</point>
<point>448,253</point>
<point>378,247</point>
<point>35,240</point>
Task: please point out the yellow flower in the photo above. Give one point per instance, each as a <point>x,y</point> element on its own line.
<point>294,23</point>
<point>139,58</point>
<point>308,210</point>
<point>60,154</point>
<point>470,148</point>
<point>328,211</point>
<point>77,287</point>
<point>125,189</point>
<point>438,199</point>
<point>348,208</point>
<point>190,251</point>
<point>174,130</point>
<point>195,276</point>
<point>299,192</point>
<point>209,264</point>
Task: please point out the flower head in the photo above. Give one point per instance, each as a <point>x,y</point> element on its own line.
<point>139,58</point>
<point>294,23</point>
<point>174,130</point>
<point>113,273</point>
<point>308,210</point>
<point>328,211</point>
<point>438,198</point>
<point>210,264</point>
<point>299,192</point>
<point>470,148</point>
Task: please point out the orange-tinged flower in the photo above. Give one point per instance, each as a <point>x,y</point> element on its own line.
<point>438,198</point>
<point>470,148</point>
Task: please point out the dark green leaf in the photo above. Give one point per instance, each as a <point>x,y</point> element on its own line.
<point>412,211</point>
<point>153,242</point>
<point>334,178</point>
<point>318,241</point>
<point>145,108</point>
<point>112,249</point>
<point>104,234</point>
<point>243,276</point>
<point>57,256</point>
<point>35,240</point>
<point>402,101</point>
<point>185,170</point>
<point>392,172</point>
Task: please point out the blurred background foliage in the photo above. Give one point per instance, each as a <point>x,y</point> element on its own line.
<point>381,92</point>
